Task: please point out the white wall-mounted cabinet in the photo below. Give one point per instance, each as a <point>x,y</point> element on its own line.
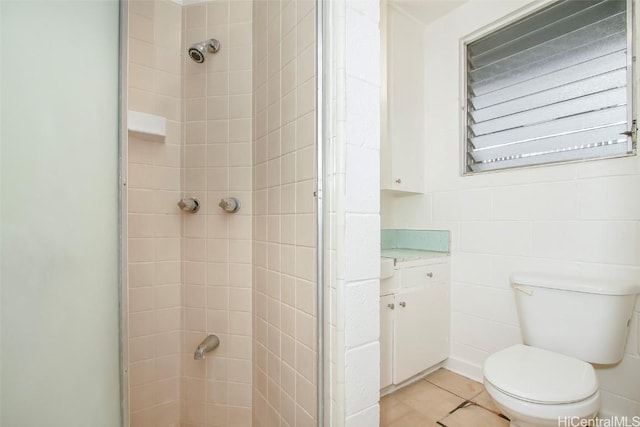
<point>402,109</point>
<point>414,320</point>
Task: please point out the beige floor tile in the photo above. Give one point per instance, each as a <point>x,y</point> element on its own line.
<point>456,384</point>
<point>413,419</point>
<point>474,416</point>
<point>484,400</point>
<point>392,409</point>
<point>431,401</point>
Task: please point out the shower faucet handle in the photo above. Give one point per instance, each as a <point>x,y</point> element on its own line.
<point>230,204</point>
<point>191,205</point>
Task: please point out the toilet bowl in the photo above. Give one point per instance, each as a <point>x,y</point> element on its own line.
<point>567,323</point>
<point>536,387</point>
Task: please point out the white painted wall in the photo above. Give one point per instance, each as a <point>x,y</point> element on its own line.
<point>581,218</point>
<point>59,175</point>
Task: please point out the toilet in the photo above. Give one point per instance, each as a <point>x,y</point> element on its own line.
<point>567,323</point>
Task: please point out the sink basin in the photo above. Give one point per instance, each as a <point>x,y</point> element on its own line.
<point>386,268</point>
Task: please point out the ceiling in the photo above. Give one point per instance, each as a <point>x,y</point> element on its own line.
<point>427,11</point>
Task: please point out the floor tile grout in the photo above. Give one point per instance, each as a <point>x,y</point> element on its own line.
<point>449,391</point>
<point>414,415</point>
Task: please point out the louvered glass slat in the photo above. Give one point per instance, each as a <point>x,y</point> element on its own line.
<point>571,107</point>
<point>554,127</point>
<point>590,50</point>
<point>564,43</point>
<point>562,142</point>
<point>612,80</point>
<point>575,73</point>
<point>556,91</point>
<point>615,149</point>
<point>554,30</point>
<point>528,24</point>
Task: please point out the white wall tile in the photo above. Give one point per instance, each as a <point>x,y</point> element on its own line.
<point>368,8</point>
<point>360,195</point>
<point>554,201</point>
<point>368,417</point>
<point>362,47</point>
<point>361,386</point>
<point>488,303</point>
<point>362,252</point>
<point>608,242</point>
<point>362,323</point>
<point>471,356</point>
<point>482,334</point>
<point>472,268</point>
<point>608,167</point>
<point>463,205</point>
<point>615,405</point>
<point>622,379</point>
<point>363,114</point>
<point>608,198</point>
<point>508,238</point>
<point>412,212</point>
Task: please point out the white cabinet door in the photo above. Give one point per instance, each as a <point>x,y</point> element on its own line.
<point>421,330</point>
<point>386,339</point>
<point>402,128</point>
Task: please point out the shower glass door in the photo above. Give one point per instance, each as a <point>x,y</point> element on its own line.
<point>59,307</point>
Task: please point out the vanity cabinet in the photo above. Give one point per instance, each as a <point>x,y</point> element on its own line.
<point>414,321</point>
<point>402,102</point>
<point>387,305</point>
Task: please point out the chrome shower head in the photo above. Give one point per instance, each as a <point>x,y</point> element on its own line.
<point>199,51</point>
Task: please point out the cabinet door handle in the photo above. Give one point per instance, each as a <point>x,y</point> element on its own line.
<point>403,304</point>
<point>398,181</point>
<point>429,274</point>
<point>391,306</point>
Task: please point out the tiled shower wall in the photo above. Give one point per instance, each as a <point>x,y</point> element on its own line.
<point>284,214</point>
<point>217,246</point>
<point>154,221</point>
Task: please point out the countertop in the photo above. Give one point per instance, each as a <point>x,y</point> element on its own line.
<point>402,255</point>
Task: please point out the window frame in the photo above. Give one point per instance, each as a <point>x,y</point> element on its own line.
<point>511,18</point>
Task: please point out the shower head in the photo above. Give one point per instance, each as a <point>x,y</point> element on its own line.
<point>199,51</point>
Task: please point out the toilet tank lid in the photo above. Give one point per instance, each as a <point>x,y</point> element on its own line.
<point>574,283</point>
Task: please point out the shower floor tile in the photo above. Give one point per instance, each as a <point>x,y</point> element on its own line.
<point>440,399</point>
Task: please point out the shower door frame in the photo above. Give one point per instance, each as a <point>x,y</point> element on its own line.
<point>123,145</point>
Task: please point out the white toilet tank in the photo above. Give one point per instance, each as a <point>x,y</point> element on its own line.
<point>583,318</point>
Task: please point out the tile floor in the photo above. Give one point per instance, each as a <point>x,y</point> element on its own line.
<point>433,400</point>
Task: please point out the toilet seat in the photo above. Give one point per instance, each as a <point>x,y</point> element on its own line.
<point>539,376</point>
<point>523,413</point>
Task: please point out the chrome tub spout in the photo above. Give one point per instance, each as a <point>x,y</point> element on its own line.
<point>210,343</point>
